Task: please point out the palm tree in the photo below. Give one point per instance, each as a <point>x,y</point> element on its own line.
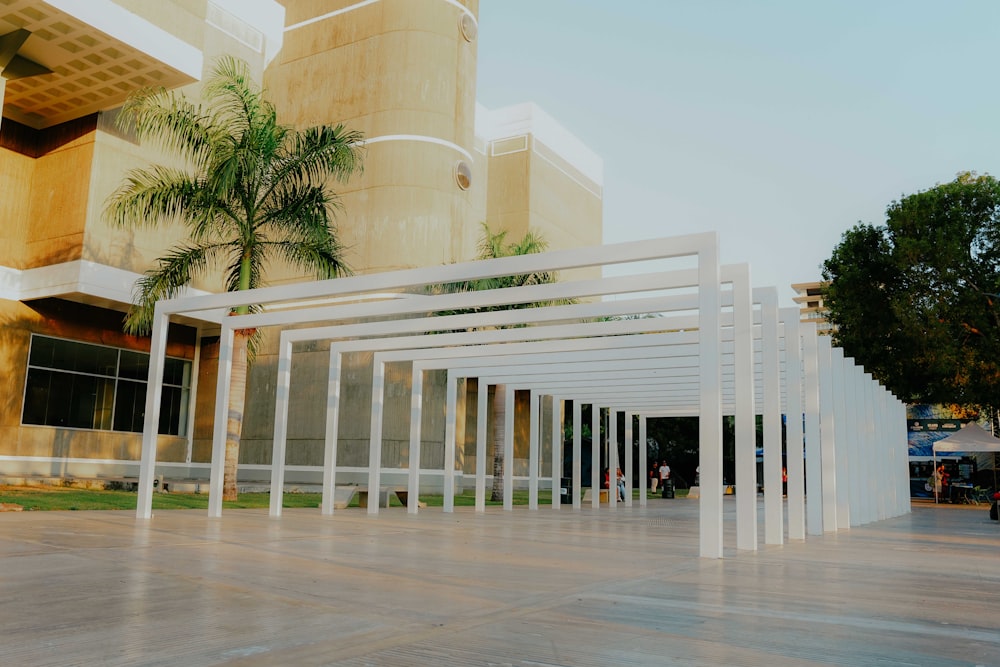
<point>252,192</point>
<point>491,246</point>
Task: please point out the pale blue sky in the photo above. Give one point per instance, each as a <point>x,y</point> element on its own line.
<point>777,123</point>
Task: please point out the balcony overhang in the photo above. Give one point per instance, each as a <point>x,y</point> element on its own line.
<point>98,53</point>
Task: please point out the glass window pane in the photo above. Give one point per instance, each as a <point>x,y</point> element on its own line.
<point>133,365</point>
<point>42,350</point>
<point>129,405</point>
<point>170,409</point>
<point>36,396</point>
<point>176,372</point>
<point>88,400</point>
<point>72,356</point>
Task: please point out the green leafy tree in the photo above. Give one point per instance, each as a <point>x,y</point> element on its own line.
<point>252,192</point>
<point>915,301</point>
<point>491,246</point>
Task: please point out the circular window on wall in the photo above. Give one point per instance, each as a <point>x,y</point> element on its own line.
<point>463,174</point>
<point>468,26</point>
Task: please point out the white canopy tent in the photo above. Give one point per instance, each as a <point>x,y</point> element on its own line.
<point>970,438</point>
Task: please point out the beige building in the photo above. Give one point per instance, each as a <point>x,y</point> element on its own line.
<point>809,297</point>
<point>401,71</point>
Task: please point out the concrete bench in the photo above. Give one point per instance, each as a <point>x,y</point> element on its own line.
<point>588,497</point>
<point>384,493</point>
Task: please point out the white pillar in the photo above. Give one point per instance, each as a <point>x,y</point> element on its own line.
<point>193,389</point>
<point>745,412</point>
<point>332,433</point>
<point>643,462</point>
<point>482,396</point>
<point>612,458</point>
<point>279,440</point>
<point>794,434</point>
<point>710,402</point>
<point>844,435</point>
<point>629,444</point>
<point>557,450</point>
<point>533,428</point>
<point>151,424</point>
<point>595,456</point>
<point>577,452</point>
<point>869,485</point>
<point>221,422</point>
<point>416,437</point>
<point>508,449</point>
<point>814,471</point>
<point>828,434</point>
<point>375,442</point>
<point>450,436</point>
<point>774,522</point>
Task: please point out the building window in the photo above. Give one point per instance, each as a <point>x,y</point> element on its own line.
<point>79,385</point>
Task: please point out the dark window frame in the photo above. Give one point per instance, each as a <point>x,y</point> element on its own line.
<point>100,397</point>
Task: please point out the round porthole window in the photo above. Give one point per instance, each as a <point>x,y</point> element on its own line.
<point>468,26</point>
<point>463,174</point>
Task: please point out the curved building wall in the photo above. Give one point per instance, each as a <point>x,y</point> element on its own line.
<point>403,73</point>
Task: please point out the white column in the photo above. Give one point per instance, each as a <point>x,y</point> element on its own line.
<point>612,458</point>
<point>280,438</point>
<point>774,522</point>
<point>745,412</point>
<point>828,434</point>
<point>710,402</point>
<point>794,434</point>
<point>450,428</point>
<point>629,433</point>
<point>375,442</point>
<point>482,396</point>
<point>416,438</point>
<point>221,422</point>
<point>332,433</point>
<point>508,450</point>
<point>151,424</point>
<point>595,455</point>
<point>868,482</point>
<point>883,454</point>
<point>843,435</point>
<point>557,450</point>
<point>193,387</point>
<point>855,450</point>
<point>643,462</point>
<point>814,471</point>
<point>533,428</point>
<point>577,452</point>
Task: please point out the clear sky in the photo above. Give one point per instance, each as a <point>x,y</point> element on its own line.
<point>778,123</point>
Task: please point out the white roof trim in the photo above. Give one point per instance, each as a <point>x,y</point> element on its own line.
<point>121,24</point>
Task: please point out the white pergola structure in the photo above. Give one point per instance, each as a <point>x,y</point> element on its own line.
<point>690,338</point>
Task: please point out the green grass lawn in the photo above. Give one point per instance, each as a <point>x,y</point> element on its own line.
<point>58,498</point>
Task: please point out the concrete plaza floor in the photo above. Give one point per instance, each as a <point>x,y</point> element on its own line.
<point>517,588</point>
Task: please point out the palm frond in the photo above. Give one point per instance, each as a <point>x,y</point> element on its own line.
<point>170,121</point>
<point>173,272</point>
<point>149,196</point>
<point>323,258</point>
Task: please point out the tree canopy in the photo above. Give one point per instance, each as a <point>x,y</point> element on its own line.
<point>915,301</point>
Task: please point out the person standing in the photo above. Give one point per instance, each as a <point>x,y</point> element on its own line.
<point>664,477</point>
<point>654,476</point>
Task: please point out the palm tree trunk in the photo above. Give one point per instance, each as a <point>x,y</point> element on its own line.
<point>234,421</point>
<point>499,434</point>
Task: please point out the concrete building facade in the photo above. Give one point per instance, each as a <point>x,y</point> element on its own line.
<point>437,166</point>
